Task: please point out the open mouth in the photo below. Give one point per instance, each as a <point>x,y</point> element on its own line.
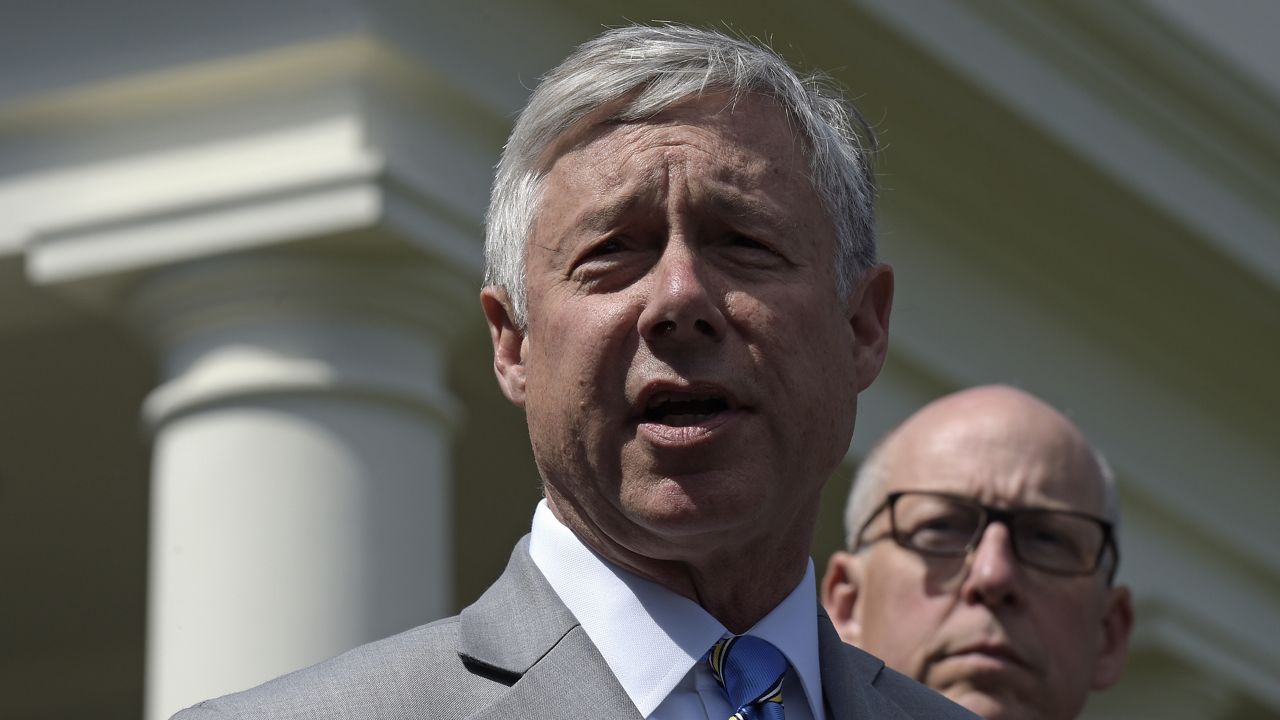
<point>682,409</point>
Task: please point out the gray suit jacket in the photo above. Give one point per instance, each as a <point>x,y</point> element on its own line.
<point>519,652</point>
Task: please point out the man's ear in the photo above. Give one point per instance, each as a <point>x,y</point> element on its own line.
<point>1113,643</point>
<point>840,594</point>
<point>508,343</point>
<point>869,309</point>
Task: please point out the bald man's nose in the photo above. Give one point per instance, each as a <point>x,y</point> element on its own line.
<point>993,572</point>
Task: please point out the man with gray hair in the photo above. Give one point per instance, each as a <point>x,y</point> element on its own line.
<point>683,297</point>
<point>981,558</point>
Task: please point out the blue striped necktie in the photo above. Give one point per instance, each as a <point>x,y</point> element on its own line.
<point>750,670</point>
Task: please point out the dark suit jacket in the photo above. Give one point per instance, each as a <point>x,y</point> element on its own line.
<point>519,653</point>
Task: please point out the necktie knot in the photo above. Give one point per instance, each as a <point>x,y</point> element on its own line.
<point>750,670</point>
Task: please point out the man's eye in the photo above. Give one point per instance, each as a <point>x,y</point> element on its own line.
<point>604,257</point>
<point>750,243</point>
<point>607,247</point>
<point>945,526</point>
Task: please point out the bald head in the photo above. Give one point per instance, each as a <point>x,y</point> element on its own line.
<point>995,421</point>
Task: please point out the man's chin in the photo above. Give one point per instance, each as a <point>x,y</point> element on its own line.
<point>671,511</point>
<point>993,687</point>
<point>991,706</point>
<point>687,517</point>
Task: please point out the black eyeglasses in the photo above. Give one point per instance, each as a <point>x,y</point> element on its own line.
<point>1062,542</point>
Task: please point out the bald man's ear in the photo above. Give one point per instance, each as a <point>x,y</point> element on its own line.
<point>869,309</point>
<point>840,594</point>
<point>508,343</point>
<point>1113,645</point>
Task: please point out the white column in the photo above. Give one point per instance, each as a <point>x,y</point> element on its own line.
<point>300,500</point>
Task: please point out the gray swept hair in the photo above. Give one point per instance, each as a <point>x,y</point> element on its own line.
<point>652,68</point>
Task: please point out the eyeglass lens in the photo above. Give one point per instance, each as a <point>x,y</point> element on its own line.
<point>1051,540</point>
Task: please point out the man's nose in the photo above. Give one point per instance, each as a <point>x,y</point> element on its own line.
<point>680,305</point>
<point>993,570</point>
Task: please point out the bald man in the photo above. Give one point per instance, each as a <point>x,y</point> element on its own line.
<point>981,557</point>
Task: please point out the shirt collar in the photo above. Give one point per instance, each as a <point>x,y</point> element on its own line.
<point>650,636</point>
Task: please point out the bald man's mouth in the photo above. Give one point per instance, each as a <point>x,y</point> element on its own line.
<point>990,655</point>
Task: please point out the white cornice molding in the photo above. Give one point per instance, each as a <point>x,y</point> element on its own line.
<point>1037,71</point>
<point>363,140</point>
<point>164,235</point>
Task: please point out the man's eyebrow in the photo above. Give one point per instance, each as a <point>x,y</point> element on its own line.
<point>599,217</point>
<point>747,210</point>
<point>751,212</point>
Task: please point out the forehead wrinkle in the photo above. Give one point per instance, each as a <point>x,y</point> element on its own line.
<point>731,185</point>
<point>616,193</point>
<point>726,192</point>
<point>717,164</point>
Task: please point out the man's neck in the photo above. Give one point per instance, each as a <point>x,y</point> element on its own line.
<point>737,583</point>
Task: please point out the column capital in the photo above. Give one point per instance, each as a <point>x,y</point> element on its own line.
<point>247,325</point>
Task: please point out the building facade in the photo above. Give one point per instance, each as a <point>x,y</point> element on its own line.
<point>247,416</point>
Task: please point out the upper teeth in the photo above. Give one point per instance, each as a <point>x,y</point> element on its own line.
<point>664,397</point>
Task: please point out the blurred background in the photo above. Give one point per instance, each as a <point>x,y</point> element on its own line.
<point>247,415</point>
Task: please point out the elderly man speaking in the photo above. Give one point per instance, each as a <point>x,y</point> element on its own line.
<point>683,297</point>
<point>982,557</point>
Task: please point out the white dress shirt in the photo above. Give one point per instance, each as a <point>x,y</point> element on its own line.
<point>653,639</point>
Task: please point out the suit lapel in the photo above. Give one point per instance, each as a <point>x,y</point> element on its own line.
<point>520,630</point>
<point>571,681</point>
<point>848,675</point>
